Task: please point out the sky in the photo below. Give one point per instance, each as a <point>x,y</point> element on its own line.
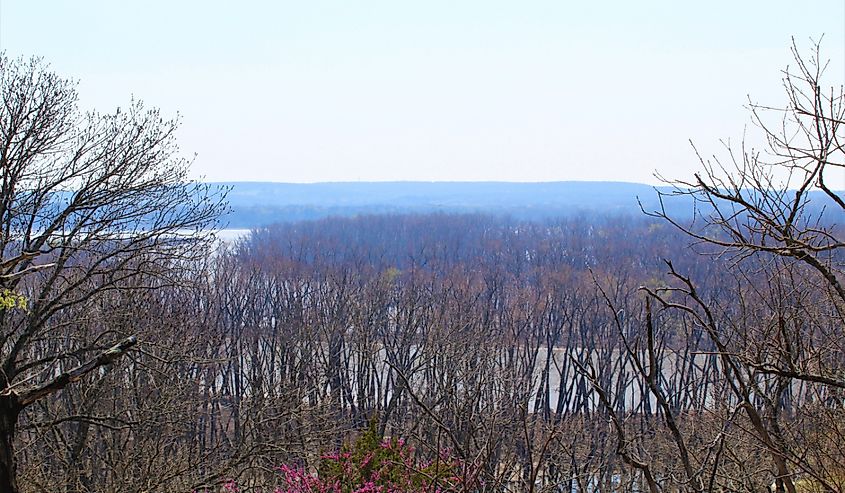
<point>323,90</point>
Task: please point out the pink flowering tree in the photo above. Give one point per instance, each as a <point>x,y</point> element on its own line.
<point>372,465</point>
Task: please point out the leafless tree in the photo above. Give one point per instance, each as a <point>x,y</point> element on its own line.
<point>772,213</point>
<point>88,203</point>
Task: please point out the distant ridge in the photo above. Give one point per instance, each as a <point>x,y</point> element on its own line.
<point>257,204</point>
<point>261,203</point>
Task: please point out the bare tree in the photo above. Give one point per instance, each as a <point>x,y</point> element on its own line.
<point>88,202</point>
<point>772,214</point>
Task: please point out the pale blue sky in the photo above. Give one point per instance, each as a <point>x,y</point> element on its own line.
<point>317,90</point>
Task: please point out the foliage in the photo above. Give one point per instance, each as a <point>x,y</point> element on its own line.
<point>10,300</point>
<point>372,464</point>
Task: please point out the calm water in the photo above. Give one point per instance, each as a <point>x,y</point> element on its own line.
<point>232,235</point>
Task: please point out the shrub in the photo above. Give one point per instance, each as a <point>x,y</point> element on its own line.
<point>373,465</point>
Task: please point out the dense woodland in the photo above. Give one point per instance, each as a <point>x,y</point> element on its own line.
<point>645,352</point>
<point>524,348</point>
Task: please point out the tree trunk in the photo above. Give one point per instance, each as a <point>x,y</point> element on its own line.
<point>9,410</point>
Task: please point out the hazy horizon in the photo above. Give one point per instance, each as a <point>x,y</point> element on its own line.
<point>324,91</point>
